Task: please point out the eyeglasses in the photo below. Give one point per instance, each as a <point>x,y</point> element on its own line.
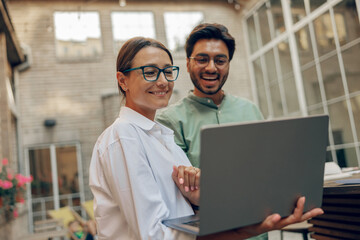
<point>152,73</point>
<point>203,60</point>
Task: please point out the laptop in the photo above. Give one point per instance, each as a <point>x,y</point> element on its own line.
<point>252,170</point>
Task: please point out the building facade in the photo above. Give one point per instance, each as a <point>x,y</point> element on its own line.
<point>303,60</point>
<point>69,94</point>
<point>11,62</point>
<point>293,58</point>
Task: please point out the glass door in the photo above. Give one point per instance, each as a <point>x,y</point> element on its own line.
<point>57,183</point>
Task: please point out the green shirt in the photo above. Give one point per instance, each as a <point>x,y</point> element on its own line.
<point>187,116</point>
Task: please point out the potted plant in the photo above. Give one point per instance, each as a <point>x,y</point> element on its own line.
<point>12,189</point>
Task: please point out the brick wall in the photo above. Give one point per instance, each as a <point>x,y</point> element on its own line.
<point>7,121</point>
<point>8,148</point>
<point>72,92</point>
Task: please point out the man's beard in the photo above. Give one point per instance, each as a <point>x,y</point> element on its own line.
<point>207,91</point>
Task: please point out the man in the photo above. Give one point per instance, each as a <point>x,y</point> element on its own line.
<point>209,50</point>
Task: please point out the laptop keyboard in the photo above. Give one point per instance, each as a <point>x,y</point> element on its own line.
<point>193,223</point>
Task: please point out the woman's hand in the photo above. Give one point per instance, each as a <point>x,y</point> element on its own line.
<point>272,222</point>
<point>187,179</point>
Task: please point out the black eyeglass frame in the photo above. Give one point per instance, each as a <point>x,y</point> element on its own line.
<point>160,71</point>
<point>196,58</point>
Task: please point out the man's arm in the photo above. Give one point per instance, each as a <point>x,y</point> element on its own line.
<point>176,126</point>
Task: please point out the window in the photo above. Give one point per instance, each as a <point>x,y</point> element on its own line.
<point>76,34</point>
<point>126,25</point>
<point>178,26</point>
<point>57,174</point>
<point>311,68</point>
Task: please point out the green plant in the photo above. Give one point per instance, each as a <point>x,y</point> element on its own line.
<point>12,189</point>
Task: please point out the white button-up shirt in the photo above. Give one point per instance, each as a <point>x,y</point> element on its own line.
<point>130,177</point>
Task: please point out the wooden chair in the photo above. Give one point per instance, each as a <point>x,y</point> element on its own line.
<point>64,214</point>
<point>67,215</point>
<point>89,208</point>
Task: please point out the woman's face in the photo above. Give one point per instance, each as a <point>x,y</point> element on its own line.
<point>143,96</point>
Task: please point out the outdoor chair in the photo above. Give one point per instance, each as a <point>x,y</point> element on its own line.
<point>67,215</point>
<point>89,208</point>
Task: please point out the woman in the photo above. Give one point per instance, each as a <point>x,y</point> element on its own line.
<point>131,173</point>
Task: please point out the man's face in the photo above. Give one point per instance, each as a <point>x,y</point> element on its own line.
<point>208,78</point>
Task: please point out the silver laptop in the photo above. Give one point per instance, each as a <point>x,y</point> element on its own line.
<point>251,170</point>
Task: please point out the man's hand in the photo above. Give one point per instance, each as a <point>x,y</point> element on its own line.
<point>275,222</point>
<point>272,222</point>
<point>187,179</point>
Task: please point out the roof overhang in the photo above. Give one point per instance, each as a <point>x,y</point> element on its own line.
<point>14,53</point>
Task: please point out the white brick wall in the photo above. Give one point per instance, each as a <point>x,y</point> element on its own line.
<point>71,92</point>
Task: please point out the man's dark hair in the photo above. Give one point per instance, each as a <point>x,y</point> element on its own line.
<point>210,31</point>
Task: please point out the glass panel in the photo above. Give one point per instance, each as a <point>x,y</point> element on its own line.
<point>291,95</point>
<point>264,24</point>
<point>38,208</point>
<point>347,21</point>
<point>340,123</point>
<point>67,172</point>
<point>316,111</point>
<point>270,66</point>
<point>278,17</point>
<point>297,10</point>
<point>285,59</point>
<point>252,34</point>
<point>178,25</point>
<point>42,205</point>
<point>262,101</point>
<point>355,105</point>
<point>332,78</point>
<point>260,87</point>
<point>329,157</point>
<point>76,201</point>
<point>304,45</point>
<point>37,218</point>
<point>258,73</point>
<point>78,35</point>
<point>40,169</point>
<point>340,27</point>
<point>311,86</point>
<point>126,25</point>
<point>324,34</point>
<point>347,157</point>
<point>276,100</point>
<point>351,65</point>
<point>314,4</point>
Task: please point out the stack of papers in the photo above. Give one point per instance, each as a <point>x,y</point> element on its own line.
<point>333,171</point>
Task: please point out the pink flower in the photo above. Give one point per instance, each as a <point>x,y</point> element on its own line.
<point>10,176</point>
<point>22,179</point>
<point>7,184</point>
<point>5,162</point>
<point>16,214</point>
<point>21,200</point>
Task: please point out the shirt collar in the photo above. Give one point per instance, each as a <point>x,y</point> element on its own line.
<point>142,121</point>
<point>205,101</point>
